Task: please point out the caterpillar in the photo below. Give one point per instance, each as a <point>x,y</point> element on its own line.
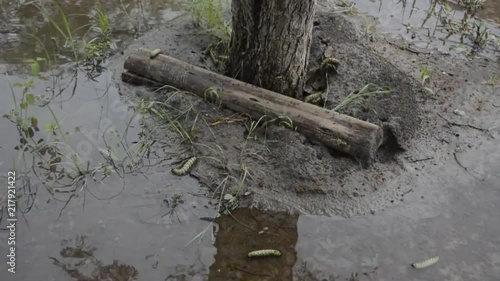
<point>211,94</point>
<point>184,168</point>
<point>154,53</point>
<point>426,263</point>
<point>314,98</point>
<point>330,63</point>
<point>264,253</point>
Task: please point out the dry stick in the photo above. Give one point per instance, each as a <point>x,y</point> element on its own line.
<point>240,221</point>
<point>423,159</point>
<point>404,48</point>
<point>465,168</point>
<point>465,125</point>
<point>251,272</point>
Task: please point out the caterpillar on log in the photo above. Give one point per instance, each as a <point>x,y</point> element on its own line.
<point>154,53</point>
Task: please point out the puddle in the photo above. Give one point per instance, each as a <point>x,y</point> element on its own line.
<point>427,24</point>
<point>116,212</point>
<point>26,33</point>
<point>113,213</point>
<point>491,10</point>
<point>104,204</point>
<point>460,227</point>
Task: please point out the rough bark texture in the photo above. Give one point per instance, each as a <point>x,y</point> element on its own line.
<point>340,132</point>
<point>270,43</point>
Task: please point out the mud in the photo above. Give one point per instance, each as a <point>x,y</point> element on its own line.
<point>286,171</point>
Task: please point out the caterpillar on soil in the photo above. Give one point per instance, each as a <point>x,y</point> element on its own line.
<point>426,263</point>
<point>314,98</point>
<point>330,64</point>
<point>264,253</point>
<point>184,168</point>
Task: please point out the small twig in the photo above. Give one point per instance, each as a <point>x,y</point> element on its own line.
<point>209,219</point>
<point>251,272</point>
<point>408,191</point>
<point>442,140</point>
<point>240,222</point>
<point>404,48</point>
<point>423,159</point>
<point>65,205</point>
<point>465,168</point>
<point>465,125</point>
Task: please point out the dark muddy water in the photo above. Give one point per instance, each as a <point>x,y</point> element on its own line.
<point>25,32</point>
<point>147,220</point>
<point>138,218</point>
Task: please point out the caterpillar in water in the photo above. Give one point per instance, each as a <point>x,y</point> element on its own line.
<point>426,263</point>
<point>264,253</point>
<point>184,168</point>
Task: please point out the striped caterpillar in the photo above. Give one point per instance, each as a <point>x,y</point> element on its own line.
<point>314,98</point>
<point>426,263</point>
<point>330,63</point>
<point>154,53</point>
<point>184,168</point>
<point>264,253</point>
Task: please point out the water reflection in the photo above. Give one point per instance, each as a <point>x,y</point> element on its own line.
<point>28,29</point>
<point>80,264</point>
<point>442,25</point>
<point>138,207</point>
<point>246,230</point>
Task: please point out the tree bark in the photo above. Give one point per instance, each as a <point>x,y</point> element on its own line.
<point>270,43</point>
<point>340,132</point>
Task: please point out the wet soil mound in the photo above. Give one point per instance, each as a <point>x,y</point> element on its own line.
<point>278,167</point>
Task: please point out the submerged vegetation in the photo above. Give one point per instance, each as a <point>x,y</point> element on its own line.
<point>460,21</point>
<point>47,153</point>
<point>90,50</point>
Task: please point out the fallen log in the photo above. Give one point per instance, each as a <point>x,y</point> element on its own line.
<point>340,132</point>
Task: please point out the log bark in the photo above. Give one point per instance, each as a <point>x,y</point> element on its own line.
<point>340,132</point>
<point>270,43</point>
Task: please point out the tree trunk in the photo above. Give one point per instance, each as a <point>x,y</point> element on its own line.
<point>270,43</point>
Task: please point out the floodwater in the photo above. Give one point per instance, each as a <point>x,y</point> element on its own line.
<point>420,23</point>
<point>143,223</point>
<point>453,216</point>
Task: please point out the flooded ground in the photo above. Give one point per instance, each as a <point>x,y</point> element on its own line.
<point>102,204</point>
<point>426,24</point>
